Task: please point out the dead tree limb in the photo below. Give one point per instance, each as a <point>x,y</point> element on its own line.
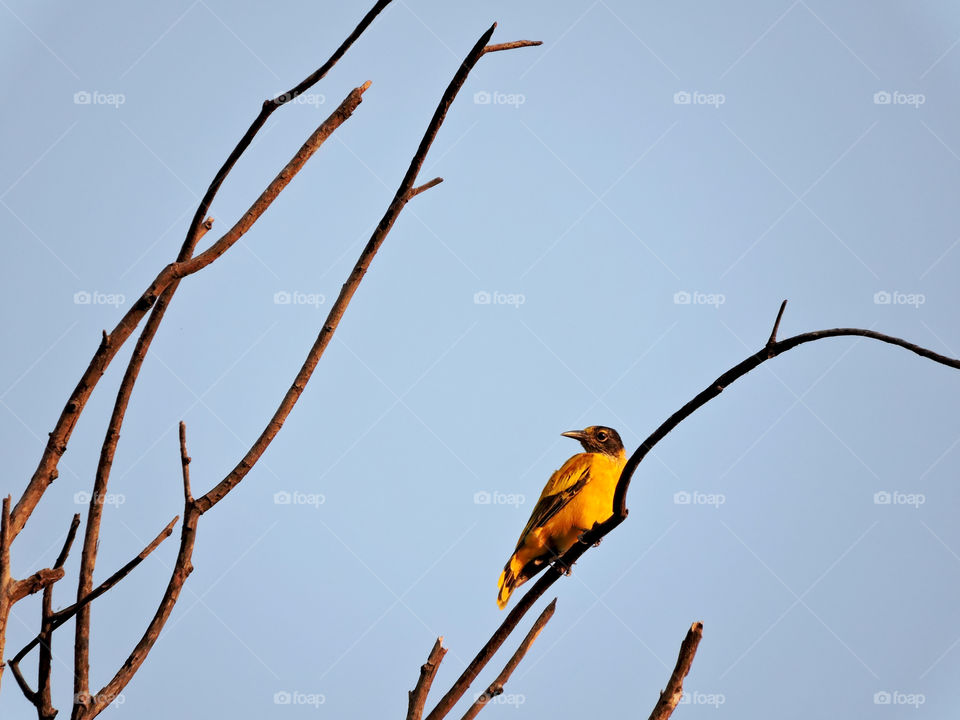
<point>404,193</point>
<point>417,697</point>
<point>88,705</point>
<point>496,687</point>
<point>46,471</point>
<point>771,349</point>
<point>674,690</point>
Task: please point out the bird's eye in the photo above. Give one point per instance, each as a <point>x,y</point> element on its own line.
<point>601,436</point>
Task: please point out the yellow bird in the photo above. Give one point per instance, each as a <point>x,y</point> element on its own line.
<point>577,495</point>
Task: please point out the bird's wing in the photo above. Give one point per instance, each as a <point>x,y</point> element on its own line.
<point>562,486</point>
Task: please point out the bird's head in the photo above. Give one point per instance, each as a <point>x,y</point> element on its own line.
<point>598,439</point>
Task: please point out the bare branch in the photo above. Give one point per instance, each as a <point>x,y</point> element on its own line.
<point>87,706</point>
<point>185,463</point>
<point>35,583</point>
<point>496,687</point>
<point>41,698</point>
<point>552,574</point>
<point>776,324</point>
<point>418,696</point>
<point>426,186</point>
<point>5,577</point>
<point>46,471</point>
<point>400,199</point>
<point>511,45</point>
<point>52,620</point>
<point>671,696</point>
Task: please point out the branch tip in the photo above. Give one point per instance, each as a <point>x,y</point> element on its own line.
<point>776,324</point>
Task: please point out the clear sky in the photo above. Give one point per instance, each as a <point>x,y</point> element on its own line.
<point>635,198</point>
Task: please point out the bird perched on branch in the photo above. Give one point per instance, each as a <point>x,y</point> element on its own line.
<point>577,495</point>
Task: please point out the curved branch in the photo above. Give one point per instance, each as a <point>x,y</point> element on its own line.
<point>46,471</point>
<point>405,192</point>
<point>674,691</point>
<point>552,574</point>
<point>180,269</point>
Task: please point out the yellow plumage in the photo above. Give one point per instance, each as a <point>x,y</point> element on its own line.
<point>577,495</point>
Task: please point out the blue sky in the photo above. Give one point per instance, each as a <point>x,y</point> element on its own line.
<point>634,198</point>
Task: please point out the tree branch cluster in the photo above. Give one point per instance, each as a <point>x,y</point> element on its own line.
<point>154,302</point>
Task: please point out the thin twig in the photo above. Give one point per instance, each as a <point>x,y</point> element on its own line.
<point>600,530</point>
<point>185,463</point>
<point>400,199</point>
<point>426,186</point>
<point>776,324</point>
<point>496,687</point>
<point>87,706</point>
<point>41,697</point>
<point>47,471</point>
<point>59,617</point>
<point>417,697</point>
<point>511,45</point>
<point>674,691</point>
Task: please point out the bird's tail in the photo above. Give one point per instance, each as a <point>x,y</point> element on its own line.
<point>509,579</point>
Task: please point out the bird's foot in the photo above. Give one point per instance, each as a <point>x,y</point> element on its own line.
<point>562,567</point>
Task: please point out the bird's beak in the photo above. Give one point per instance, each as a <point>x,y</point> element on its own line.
<point>575,434</point>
